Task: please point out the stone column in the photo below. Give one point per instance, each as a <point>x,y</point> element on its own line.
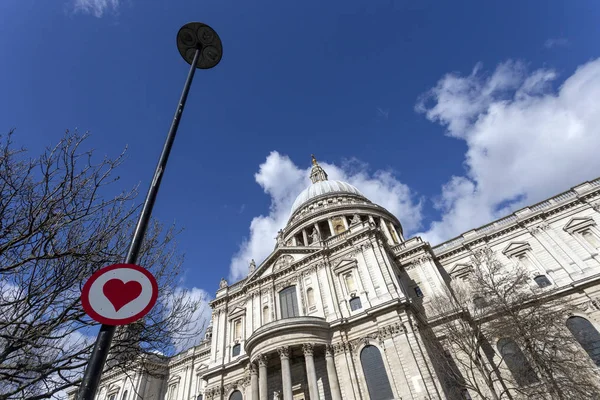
<point>254,381</point>
<point>310,370</point>
<point>286,376</point>
<point>334,386</point>
<point>262,377</point>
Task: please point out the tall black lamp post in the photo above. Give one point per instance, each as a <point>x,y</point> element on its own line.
<point>201,47</point>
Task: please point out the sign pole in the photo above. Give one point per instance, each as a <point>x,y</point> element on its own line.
<point>201,41</point>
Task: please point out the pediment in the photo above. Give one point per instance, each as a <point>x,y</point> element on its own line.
<point>279,259</point>
<point>201,367</point>
<point>459,269</point>
<point>344,265</point>
<point>515,248</point>
<point>236,312</point>
<point>578,223</point>
<point>113,388</point>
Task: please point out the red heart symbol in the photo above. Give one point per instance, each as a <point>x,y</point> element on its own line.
<point>119,294</point>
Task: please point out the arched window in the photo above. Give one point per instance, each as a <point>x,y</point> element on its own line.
<point>587,336</point>
<point>375,374</point>
<point>265,315</point>
<point>542,281</point>
<point>236,395</point>
<point>124,395</point>
<point>235,350</point>
<point>517,363</point>
<point>289,302</point>
<point>310,297</point>
<point>350,285</point>
<point>355,303</point>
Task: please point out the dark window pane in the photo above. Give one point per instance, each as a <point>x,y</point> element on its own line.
<point>235,351</point>
<point>289,302</point>
<point>418,291</point>
<point>542,281</point>
<point>375,374</point>
<point>516,362</point>
<point>587,336</point>
<point>355,304</point>
<point>237,395</point>
<point>479,302</point>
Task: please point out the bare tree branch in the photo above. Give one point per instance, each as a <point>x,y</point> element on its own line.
<point>58,224</point>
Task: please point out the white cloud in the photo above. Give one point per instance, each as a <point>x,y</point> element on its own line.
<point>556,42</point>
<point>526,141</point>
<point>96,7</point>
<point>193,332</point>
<point>282,180</point>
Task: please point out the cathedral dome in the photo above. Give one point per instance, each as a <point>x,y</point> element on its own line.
<point>322,188</point>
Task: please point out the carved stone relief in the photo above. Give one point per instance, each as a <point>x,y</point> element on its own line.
<point>283,262</point>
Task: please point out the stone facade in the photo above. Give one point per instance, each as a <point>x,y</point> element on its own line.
<point>343,296</point>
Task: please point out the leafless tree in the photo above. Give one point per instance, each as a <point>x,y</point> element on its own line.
<point>59,222</point>
<point>499,303</point>
<point>460,347</point>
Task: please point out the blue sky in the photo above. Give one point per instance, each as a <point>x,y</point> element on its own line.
<point>449,114</point>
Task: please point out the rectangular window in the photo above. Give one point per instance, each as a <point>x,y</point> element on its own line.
<point>526,262</point>
<point>591,238</point>
<point>418,291</point>
<point>237,330</point>
<point>171,395</point>
<point>289,302</point>
<point>393,233</point>
<point>350,285</point>
<point>355,303</point>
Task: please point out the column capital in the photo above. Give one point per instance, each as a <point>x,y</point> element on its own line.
<point>284,352</point>
<point>329,350</point>
<point>308,349</point>
<point>253,368</point>
<point>262,360</point>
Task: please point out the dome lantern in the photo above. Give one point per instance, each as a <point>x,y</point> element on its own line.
<point>321,186</point>
<point>317,174</point>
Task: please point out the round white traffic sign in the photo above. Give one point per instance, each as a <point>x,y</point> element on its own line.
<point>119,294</point>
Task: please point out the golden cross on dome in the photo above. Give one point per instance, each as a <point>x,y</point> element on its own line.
<point>314,160</point>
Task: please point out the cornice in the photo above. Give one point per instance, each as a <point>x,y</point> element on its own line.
<point>298,266</point>
<point>242,360</point>
<point>293,225</point>
<point>188,358</point>
<point>305,209</point>
<point>519,219</point>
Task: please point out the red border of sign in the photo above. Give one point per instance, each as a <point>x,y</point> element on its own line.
<point>85,295</point>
